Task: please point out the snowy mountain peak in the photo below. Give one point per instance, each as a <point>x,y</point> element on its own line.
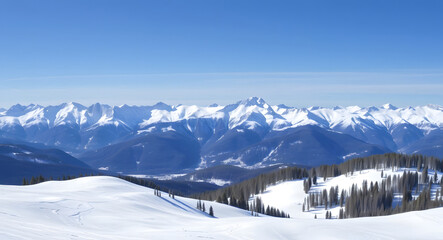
<point>389,106</point>
<point>98,108</point>
<point>162,106</point>
<point>253,101</point>
<point>254,113</point>
<point>72,105</point>
<point>18,109</point>
<point>353,108</point>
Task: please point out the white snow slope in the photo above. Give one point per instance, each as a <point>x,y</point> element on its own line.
<point>110,208</point>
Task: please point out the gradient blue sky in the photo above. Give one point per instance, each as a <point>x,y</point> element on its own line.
<point>300,53</point>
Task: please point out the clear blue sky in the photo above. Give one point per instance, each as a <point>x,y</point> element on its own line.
<point>300,53</point>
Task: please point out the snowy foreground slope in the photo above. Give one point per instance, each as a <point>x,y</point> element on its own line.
<point>110,208</point>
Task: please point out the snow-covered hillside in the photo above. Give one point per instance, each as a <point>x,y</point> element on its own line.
<point>110,208</point>
<point>289,196</point>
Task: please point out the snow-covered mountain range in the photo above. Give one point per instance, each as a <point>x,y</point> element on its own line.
<point>247,133</point>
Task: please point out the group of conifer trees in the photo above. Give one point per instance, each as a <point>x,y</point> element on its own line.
<point>369,201</point>
<point>157,192</point>
<point>323,198</point>
<point>383,161</point>
<point>376,199</point>
<point>257,206</point>
<point>243,190</point>
<point>328,215</point>
<point>201,207</point>
<point>372,199</point>
<point>238,195</point>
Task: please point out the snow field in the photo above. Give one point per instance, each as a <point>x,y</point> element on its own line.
<point>110,208</point>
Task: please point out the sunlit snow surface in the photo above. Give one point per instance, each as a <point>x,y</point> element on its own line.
<point>110,208</point>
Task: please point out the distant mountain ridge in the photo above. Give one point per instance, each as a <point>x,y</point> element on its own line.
<point>247,133</point>
<point>20,161</point>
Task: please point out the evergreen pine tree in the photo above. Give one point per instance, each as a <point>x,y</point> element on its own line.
<point>424,175</point>
<point>33,181</point>
<point>342,197</point>
<point>314,176</point>
<point>341,214</point>
<point>199,205</point>
<point>225,198</point>
<point>211,211</point>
